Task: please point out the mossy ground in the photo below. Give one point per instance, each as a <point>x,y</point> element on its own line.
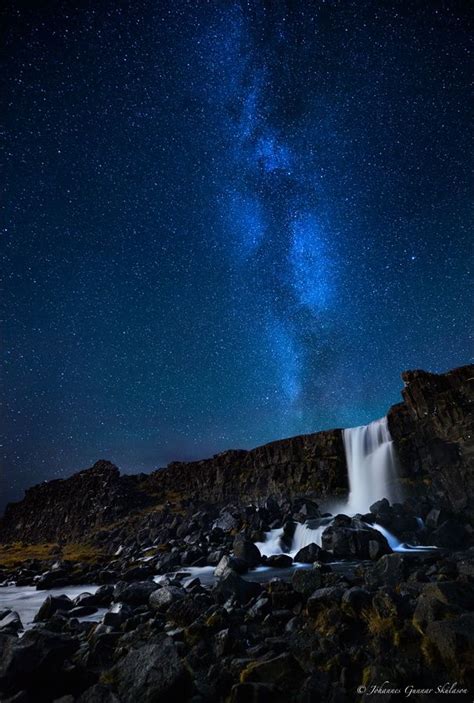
<point>15,554</point>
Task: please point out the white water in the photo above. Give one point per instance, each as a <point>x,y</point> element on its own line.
<point>371,466</point>
<point>26,600</point>
<point>372,475</point>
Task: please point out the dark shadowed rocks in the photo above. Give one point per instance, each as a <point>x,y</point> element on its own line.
<point>348,538</point>
<point>150,673</point>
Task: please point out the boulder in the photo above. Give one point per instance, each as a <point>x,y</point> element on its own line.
<point>306,581</point>
<point>231,585</point>
<point>150,673</point>
<point>233,563</point>
<point>226,522</point>
<point>35,661</point>
<point>10,622</point>
<point>162,598</point>
<point>98,694</point>
<point>134,593</point>
<point>353,539</point>
<point>390,570</point>
<point>355,600</point>
<point>282,671</point>
<point>246,550</point>
<point>311,553</point>
<point>449,535</point>
<point>51,605</point>
<point>454,641</point>
<point>117,614</point>
<point>254,692</point>
<point>323,597</point>
<point>441,600</point>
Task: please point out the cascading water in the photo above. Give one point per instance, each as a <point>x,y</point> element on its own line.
<point>371,466</point>
<point>372,475</point>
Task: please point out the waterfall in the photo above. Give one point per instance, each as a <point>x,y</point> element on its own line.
<point>371,466</point>
<point>372,475</point>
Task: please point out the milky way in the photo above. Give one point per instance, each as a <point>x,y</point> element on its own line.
<point>226,222</point>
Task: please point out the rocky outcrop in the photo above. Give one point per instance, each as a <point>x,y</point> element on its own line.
<point>312,464</point>
<point>66,510</point>
<point>433,431</point>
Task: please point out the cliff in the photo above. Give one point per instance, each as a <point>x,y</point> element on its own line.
<point>67,509</point>
<point>432,429</point>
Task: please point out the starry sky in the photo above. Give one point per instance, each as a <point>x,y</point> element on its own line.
<point>226,222</point>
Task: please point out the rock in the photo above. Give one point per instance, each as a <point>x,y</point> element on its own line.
<point>323,597</point>
<point>117,615</point>
<point>98,694</point>
<point>246,550</point>
<point>52,579</point>
<point>82,611</point>
<point>226,522</point>
<point>432,434</point>
<point>306,581</point>
<point>67,509</point>
<point>390,570</point>
<point>34,661</point>
<point>86,599</point>
<point>449,535</point>
<point>10,622</point>
<point>310,554</point>
<point>441,600</point>
<point>353,540</point>
<point>162,598</point>
<point>281,671</point>
<point>252,693</point>
<point>238,565</point>
<point>151,673</point>
<point>355,600</point>
<point>134,593</point>
<point>380,506</point>
<point>433,519</point>
<point>279,561</point>
<point>185,611</point>
<point>386,603</point>
<point>51,605</point>
<point>454,641</point>
<point>231,585</point>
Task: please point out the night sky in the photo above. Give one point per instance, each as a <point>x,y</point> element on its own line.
<point>226,222</point>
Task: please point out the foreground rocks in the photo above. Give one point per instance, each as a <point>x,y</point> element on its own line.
<point>316,635</point>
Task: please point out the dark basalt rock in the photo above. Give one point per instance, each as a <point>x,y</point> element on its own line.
<point>246,550</point>
<point>311,553</point>
<point>10,622</point>
<point>150,673</point>
<point>51,605</point>
<point>353,539</point>
<point>67,509</point>
<point>231,585</point>
<point>35,661</point>
<point>433,434</point>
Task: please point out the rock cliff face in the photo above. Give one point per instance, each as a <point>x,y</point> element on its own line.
<point>65,510</point>
<point>433,431</point>
<point>312,465</point>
